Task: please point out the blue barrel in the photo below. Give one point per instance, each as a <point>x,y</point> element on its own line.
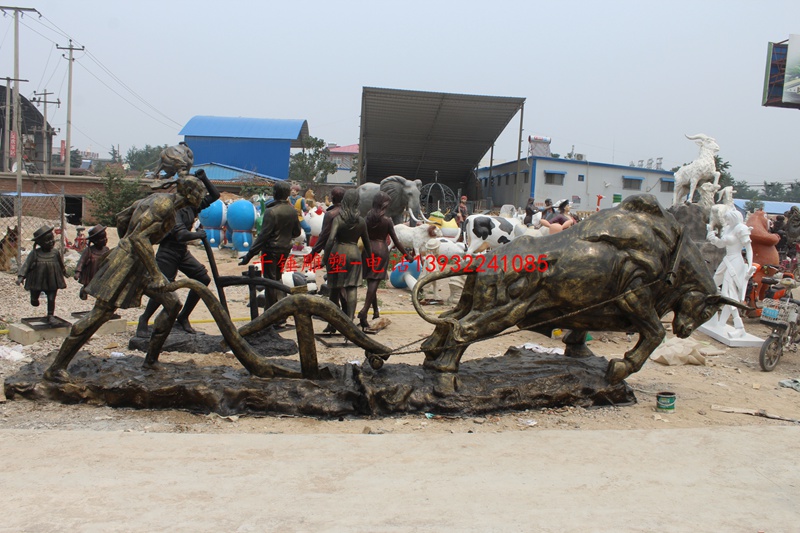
<point>397,277</point>
<point>241,220</point>
<point>213,219</point>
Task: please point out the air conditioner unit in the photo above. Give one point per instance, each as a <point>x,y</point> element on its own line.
<point>580,157</point>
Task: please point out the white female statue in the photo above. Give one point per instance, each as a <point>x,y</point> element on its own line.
<point>734,270</point>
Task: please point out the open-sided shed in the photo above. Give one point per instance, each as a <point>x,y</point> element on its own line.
<point>417,133</point>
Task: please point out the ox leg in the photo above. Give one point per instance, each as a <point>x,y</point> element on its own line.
<point>475,326</point>
<point>575,342</point>
<point>651,333</point>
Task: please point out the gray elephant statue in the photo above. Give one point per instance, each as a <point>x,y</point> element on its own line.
<point>404,194</point>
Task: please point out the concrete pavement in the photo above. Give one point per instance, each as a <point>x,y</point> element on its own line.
<point>721,479</point>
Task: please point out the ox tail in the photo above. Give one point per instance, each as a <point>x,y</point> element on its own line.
<point>429,279</point>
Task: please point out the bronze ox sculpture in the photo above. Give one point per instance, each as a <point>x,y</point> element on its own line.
<point>621,269</point>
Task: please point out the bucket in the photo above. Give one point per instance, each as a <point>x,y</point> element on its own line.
<point>665,401</point>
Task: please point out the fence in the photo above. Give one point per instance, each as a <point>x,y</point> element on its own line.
<point>21,216</point>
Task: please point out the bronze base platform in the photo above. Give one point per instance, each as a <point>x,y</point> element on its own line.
<point>521,379</point>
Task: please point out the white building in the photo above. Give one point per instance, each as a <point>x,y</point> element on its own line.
<point>345,158</point>
<point>578,180</point>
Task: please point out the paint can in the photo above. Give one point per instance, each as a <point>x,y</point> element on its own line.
<point>665,402</point>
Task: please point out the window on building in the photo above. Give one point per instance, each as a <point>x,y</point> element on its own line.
<point>632,183</point>
<point>581,177</point>
<point>554,178</point>
<point>667,185</point>
<point>506,180</point>
<point>526,178</point>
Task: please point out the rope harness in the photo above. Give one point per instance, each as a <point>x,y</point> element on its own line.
<point>669,279</point>
<point>397,351</point>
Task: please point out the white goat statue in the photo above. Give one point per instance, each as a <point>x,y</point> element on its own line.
<point>701,170</point>
<point>716,217</point>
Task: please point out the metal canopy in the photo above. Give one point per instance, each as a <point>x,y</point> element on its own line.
<point>416,133</point>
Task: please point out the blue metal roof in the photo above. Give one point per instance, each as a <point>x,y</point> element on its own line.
<point>219,172</point>
<point>247,128</point>
<point>770,207</point>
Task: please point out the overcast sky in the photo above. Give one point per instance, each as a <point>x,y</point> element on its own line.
<point>618,80</point>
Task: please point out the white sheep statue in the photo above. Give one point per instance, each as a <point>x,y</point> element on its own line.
<point>703,169</point>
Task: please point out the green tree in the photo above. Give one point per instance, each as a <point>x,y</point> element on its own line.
<point>116,157</point>
<point>146,158</point>
<point>754,204</point>
<point>743,190</point>
<point>793,192</point>
<point>254,188</point>
<point>723,167</point>
<point>313,163</point>
<point>117,194</point>
<point>75,159</point>
<point>774,190</point>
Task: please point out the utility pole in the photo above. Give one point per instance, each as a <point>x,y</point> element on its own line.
<point>18,140</point>
<point>48,151</point>
<point>7,125</point>
<point>69,105</point>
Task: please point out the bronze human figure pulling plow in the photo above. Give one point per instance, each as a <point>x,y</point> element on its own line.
<point>130,270</point>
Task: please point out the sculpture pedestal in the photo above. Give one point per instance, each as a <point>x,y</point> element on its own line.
<point>727,335</point>
<point>26,335</point>
<point>521,379</point>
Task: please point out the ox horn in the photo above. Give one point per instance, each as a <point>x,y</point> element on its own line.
<point>718,299</point>
<point>453,323</point>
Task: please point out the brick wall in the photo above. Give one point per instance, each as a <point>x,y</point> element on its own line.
<point>75,186</point>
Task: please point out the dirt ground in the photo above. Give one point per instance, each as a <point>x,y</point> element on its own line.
<point>732,379</point>
<point>628,468</point>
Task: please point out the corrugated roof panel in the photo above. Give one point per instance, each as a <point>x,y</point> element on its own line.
<point>349,149</point>
<point>417,133</point>
<point>219,172</point>
<point>247,128</point>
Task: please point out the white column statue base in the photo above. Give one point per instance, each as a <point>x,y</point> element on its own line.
<point>729,335</point>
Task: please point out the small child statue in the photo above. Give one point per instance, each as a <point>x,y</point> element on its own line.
<point>44,271</point>
<point>91,257</point>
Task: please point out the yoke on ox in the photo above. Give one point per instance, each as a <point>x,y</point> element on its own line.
<point>621,269</point>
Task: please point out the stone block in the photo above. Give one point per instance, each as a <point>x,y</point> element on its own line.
<point>26,335</point>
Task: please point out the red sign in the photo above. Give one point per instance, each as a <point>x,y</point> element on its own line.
<point>12,148</point>
<point>63,149</point>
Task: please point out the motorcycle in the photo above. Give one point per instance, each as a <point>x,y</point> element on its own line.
<point>765,283</point>
<point>782,316</point>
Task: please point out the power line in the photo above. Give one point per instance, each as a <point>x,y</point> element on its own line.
<point>49,26</point>
<point>125,99</point>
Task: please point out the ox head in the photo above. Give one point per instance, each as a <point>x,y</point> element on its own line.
<point>696,308</point>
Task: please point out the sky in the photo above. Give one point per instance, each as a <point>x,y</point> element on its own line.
<point>617,80</point>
